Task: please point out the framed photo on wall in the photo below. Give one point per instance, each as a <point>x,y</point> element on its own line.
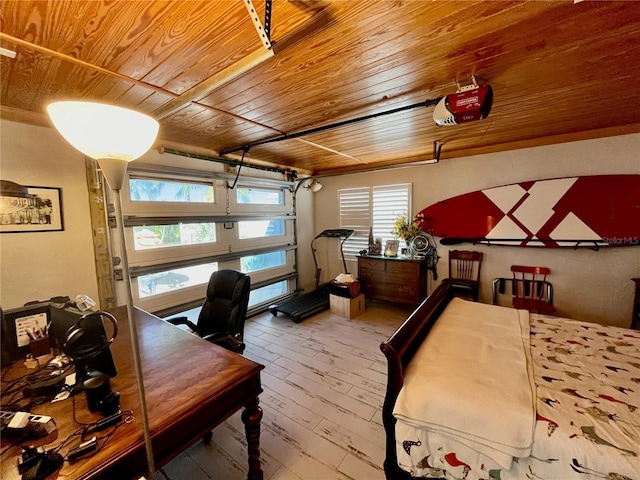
<point>29,209</point>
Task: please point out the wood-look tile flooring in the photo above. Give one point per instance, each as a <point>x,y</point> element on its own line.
<point>324,385</point>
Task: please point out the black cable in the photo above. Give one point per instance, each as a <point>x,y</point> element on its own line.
<point>245,150</point>
<point>289,136</point>
<point>79,431</point>
<point>13,381</point>
<point>47,371</point>
<point>86,429</point>
<point>18,385</point>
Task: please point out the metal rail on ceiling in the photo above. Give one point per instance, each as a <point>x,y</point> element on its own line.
<point>227,161</point>
<point>289,136</point>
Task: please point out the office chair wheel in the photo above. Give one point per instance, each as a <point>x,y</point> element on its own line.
<point>207,438</point>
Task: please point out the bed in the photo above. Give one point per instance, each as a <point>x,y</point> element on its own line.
<point>479,391</point>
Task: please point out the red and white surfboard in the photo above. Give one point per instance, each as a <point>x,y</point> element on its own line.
<point>590,211</point>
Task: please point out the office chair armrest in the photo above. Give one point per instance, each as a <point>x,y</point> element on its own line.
<point>225,340</point>
<point>182,321</point>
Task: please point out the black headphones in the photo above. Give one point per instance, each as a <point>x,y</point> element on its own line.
<point>87,338</point>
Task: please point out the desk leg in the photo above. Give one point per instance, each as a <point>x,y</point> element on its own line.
<point>251,416</point>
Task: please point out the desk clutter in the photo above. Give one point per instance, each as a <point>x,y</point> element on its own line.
<point>41,451</point>
<point>51,352</point>
<point>179,415</point>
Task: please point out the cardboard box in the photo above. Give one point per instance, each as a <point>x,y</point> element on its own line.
<point>347,307</point>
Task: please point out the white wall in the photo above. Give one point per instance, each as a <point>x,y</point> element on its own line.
<point>589,285</point>
<point>40,265</point>
<point>37,266</point>
<point>305,221</point>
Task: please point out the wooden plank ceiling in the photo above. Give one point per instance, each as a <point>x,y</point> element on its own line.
<point>560,71</point>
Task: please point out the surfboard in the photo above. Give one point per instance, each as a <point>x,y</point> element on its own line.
<point>586,211</point>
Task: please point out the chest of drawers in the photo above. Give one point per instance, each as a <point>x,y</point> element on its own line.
<point>395,279</point>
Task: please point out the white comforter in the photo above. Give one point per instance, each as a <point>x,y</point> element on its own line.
<point>490,381</point>
<point>587,403</point>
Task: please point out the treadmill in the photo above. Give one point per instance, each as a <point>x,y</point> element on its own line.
<point>302,306</point>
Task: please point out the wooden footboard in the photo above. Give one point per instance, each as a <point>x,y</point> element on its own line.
<point>399,349</point>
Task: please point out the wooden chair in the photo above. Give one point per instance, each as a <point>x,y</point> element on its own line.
<point>530,289</point>
<point>464,272</point>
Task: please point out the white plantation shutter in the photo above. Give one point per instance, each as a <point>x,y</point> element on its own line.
<point>389,201</point>
<point>362,208</point>
<point>355,214</point>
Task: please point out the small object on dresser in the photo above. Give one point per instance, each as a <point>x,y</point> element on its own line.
<point>371,241</point>
<point>391,248</point>
<point>375,246</point>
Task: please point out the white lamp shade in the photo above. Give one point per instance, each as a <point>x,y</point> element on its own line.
<point>112,135</point>
<point>104,131</point>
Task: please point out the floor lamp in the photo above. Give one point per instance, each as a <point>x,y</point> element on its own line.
<point>113,136</point>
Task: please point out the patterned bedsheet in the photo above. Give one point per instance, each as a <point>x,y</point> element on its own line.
<point>587,412</point>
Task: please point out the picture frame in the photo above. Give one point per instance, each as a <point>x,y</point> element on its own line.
<point>391,248</point>
<point>29,208</point>
<point>16,322</point>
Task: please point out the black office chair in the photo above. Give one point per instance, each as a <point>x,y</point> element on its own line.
<point>221,320</point>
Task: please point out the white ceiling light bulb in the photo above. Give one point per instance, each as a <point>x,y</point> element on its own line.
<point>112,135</point>
<point>314,186</point>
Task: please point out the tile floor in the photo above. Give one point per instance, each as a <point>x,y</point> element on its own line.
<point>324,385</point>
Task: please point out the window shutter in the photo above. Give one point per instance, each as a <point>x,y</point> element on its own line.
<point>377,207</point>
<point>389,201</point>
<point>355,214</point>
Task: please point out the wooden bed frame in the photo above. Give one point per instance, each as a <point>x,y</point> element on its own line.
<point>399,350</point>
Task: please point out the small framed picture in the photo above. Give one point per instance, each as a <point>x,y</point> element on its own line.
<point>29,209</point>
<point>391,248</point>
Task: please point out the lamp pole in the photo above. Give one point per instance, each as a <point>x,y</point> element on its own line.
<point>113,136</point>
<point>133,333</point>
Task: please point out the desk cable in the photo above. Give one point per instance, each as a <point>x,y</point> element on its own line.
<point>45,377</point>
<point>89,446</point>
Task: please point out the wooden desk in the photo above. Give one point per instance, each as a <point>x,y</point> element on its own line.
<point>191,386</point>
<point>395,279</point>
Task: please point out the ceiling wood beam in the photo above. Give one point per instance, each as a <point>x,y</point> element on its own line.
<point>179,102</point>
<point>77,61</point>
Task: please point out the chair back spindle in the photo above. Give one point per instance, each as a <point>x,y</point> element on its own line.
<point>530,288</point>
<point>464,272</point>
